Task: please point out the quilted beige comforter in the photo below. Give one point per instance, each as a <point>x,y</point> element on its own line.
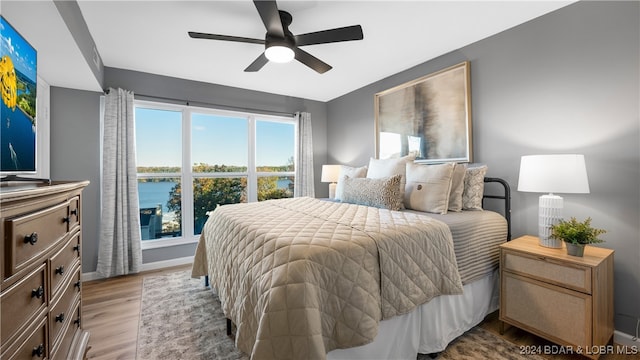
<point>300,277</point>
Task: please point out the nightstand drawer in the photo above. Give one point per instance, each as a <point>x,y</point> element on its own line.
<point>548,270</point>
<point>560,315</point>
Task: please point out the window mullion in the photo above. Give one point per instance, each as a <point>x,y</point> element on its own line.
<point>252,177</point>
<point>187,176</point>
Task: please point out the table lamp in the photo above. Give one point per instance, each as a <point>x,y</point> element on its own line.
<point>565,173</point>
<point>330,174</point>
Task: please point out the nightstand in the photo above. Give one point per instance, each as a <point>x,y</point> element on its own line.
<point>565,299</point>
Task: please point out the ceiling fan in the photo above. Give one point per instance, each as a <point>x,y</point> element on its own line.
<point>281,45</point>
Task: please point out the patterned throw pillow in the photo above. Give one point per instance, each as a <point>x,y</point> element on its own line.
<point>473,188</point>
<point>379,168</point>
<point>352,172</point>
<point>381,193</point>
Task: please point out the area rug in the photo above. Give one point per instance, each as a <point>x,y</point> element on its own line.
<point>180,319</point>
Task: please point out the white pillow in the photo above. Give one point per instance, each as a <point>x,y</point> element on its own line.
<point>352,172</point>
<point>380,168</point>
<point>428,187</point>
<point>457,187</point>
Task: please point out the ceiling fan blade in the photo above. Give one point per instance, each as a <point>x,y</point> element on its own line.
<point>270,16</point>
<point>257,64</point>
<point>346,33</point>
<point>197,35</point>
<point>311,61</point>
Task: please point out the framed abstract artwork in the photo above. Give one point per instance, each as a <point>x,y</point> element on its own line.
<point>429,117</point>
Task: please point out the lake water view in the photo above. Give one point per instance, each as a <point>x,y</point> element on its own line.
<point>151,194</point>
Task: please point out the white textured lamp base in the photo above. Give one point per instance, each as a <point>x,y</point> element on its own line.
<point>332,190</point>
<point>549,213</point>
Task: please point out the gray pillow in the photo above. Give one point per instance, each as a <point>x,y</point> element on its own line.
<point>457,187</point>
<point>473,188</point>
<point>381,193</point>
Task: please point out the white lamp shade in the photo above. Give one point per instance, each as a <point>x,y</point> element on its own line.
<point>564,173</point>
<point>330,173</point>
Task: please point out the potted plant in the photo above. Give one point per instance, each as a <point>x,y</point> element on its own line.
<point>576,234</point>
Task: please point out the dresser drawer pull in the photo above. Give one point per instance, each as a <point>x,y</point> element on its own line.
<point>66,219</point>
<point>60,318</point>
<point>37,293</point>
<point>77,321</point>
<point>38,351</point>
<point>60,270</point>
<point>77,284</point>
<point>77,249</point>
<point>31,239</point>
<point>74,212</point>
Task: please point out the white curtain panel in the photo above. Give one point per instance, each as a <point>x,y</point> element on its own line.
<point>120,249</point>
<point>304,180</point>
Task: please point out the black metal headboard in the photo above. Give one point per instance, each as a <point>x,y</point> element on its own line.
<point>506,197</point>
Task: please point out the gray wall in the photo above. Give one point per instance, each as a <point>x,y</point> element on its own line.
<point>75,138</point>
<point>567,82</point>
<point>75,155</point>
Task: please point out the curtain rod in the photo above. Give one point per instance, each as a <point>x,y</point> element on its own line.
<point>210,105</point>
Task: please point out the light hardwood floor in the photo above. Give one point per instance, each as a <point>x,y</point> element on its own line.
<point>111,309</point>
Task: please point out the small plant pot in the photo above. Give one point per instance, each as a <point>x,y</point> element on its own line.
<point>575,249</point>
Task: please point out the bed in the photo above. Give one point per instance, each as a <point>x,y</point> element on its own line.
<point>313,279</point>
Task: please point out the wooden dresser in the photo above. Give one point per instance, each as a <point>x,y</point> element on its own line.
<point>565,299</point>
<point>40,267</point>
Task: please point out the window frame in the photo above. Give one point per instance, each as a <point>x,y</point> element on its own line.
<point>187,175</point>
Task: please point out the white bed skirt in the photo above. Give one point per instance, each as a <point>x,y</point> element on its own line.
<point>430,327</point>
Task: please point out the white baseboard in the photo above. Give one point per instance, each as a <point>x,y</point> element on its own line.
<point>167,263</point>
<point>157,265</point>
<point>625,339</point>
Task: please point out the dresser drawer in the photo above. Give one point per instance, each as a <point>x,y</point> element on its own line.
<point>32,345</point>
<point>21,302</point>
<point>62,308</point>
<point>60,348</point>
<point>546,269</point>
<point>74,213</point>
<point>62,263</point>
<point>560,315</point>
<point>32,234</point>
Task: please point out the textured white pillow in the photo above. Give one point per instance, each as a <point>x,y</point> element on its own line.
<point>457,187</point>
<point>380,168</point>
<point>473,188</point>
<point>428,187</point>
<point>381,193</point>
<point>350,171</point>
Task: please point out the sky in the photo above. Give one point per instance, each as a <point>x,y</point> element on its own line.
<point>216,140</point>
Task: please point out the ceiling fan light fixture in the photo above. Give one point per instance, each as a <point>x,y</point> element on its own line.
<point>279,53</point>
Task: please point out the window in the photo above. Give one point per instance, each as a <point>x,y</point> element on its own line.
<point>191,160</point>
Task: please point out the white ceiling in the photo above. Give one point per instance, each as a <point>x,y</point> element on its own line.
<point>151,36</point>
